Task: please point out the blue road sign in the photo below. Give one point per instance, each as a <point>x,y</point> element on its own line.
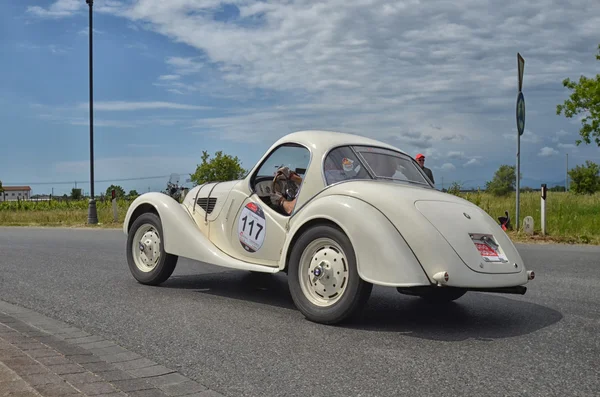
<point>520,113</point>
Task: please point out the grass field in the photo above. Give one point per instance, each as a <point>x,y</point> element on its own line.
<point>570,218</point>
<point>60,213</point>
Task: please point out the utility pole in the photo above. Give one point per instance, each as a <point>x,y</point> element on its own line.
<point>520,130</point>
<point>92,211</point>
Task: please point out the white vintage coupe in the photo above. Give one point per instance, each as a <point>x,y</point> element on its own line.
<point>363,213</point>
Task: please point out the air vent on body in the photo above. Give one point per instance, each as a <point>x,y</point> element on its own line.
<point>207,204</point>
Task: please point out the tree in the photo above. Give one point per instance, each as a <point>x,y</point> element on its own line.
<point>119,192</point>
<point>585,99</point>
<point>557,188</point>
<point>503,182</point>
<point>585,179</point>
<point>222,167</point>
<point>76,194</point>
<point>455,188</point>
<point>1,188</point>
<point>133,193</point>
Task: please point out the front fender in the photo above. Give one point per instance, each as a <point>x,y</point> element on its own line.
<point>382,255</point>
<point>181,235</point>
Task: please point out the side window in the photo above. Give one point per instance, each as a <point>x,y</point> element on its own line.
<point>341,164</point>
<point>293,156</point>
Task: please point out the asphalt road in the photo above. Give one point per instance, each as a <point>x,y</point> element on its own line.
<point>241,335</point>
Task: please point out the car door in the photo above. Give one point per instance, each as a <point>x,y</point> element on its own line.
<point>259,231</point>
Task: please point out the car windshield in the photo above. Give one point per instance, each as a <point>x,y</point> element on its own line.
<point>391,165</point>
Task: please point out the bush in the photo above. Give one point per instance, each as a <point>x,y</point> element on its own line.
<point>585,179</point>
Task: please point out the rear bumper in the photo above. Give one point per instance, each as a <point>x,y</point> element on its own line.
<point>517,289</point>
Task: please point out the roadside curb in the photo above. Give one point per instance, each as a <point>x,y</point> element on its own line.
<point>40,356</point>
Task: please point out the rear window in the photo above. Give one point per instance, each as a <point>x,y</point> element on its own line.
<point>366,162</point>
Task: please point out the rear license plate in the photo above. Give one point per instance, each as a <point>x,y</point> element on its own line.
<point>488,249</point>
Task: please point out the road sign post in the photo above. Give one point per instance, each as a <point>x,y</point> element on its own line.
<point>114,205</point>
<point>543,209</point>
<point>520,130</point>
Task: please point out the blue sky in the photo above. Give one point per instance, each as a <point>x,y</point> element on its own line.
<point>174,78</point>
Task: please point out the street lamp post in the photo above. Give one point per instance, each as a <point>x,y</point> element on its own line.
<point>92,211</point>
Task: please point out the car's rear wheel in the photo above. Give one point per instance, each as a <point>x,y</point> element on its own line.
<point>323,277</point>
<point>148,262</point>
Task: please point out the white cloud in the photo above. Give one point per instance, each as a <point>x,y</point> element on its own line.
<point>547,151</point>
<point>472,162</point>
<point>59,9</point>
<point>527,137</point>
<point>456,155</point>
<point>426,76</point>
<point>86,31</point>
<point>184,65</point>
<point>437,61</point>
<point>568,146</point>
<point>129,106</point>
<point>58,115</point>
<point>52,48</point>
<point>448,167</point>
<point>169,77</point>
<point>125,167</point>
<point>138,46</point>
<point>105,123</point>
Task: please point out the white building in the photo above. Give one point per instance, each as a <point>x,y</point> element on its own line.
<point>14,193</point>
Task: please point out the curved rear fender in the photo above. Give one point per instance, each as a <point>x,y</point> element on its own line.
<point>383,257</point>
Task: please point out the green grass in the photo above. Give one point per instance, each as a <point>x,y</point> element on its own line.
<point>72,213</point>
<point>570,218</point>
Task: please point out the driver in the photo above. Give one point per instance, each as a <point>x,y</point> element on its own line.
<point>286,200</point>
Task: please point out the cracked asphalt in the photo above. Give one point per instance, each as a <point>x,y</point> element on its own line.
<point>240,334</point>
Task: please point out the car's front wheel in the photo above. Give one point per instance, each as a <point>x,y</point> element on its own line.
<point>146,256</point>
<point>323,276</point>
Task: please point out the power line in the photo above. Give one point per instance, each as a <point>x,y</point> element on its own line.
<point>105,180</point>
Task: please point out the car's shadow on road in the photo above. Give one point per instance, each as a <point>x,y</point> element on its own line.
<point>263,288</point>
<point>482,316</point>
<point>476,315</point>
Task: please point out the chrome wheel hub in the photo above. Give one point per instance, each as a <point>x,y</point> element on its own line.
<point>146,248</point>
<point>323,272</point>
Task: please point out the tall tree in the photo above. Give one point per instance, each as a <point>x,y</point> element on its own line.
<point>584,99</point>
<point>223,167</point>
<point>503,182</point>
<point>585,179</point>
<point>76,194</point>
<point>119,191</point>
